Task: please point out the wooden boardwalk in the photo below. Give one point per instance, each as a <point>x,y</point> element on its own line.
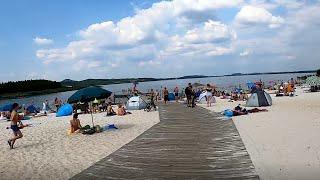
<point>186,144</point>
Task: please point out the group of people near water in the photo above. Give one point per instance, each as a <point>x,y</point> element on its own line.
<point>189,93</point>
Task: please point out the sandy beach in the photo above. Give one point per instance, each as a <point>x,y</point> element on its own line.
<point>284,142</point>
<point>47,152</point>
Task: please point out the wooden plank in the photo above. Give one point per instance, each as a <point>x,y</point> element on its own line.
<point>185,144</point>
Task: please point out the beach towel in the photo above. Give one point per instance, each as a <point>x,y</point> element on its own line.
<point>109,126</point>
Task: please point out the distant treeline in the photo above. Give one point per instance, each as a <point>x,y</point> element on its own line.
<point>28,85</point>
<point>95,82</point>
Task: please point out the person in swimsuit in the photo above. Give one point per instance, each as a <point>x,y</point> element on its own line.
<point>121,111</point>
<point>209,95</point>
<point>165,95</point>
<point>75,124</point>
<point>176,93</point>
<point>14,125</point>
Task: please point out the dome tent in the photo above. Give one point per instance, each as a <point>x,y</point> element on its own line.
<point>65,110</point>
<point>32,109</point>
<point>259,98</point>
<point>171,97</point>
<point>136,103</point>
<point>203,99</point>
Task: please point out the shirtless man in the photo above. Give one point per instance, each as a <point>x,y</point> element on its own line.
<point>14,125</point>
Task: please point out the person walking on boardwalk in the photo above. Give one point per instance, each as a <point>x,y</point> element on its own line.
<point>14,125</point>
<point>193,97</point>
<point>176,93</point>
<point>188,92</point>
<point>152,96</point>
<point>165,95</point>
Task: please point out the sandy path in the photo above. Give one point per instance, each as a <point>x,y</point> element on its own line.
<point>283,143</point>
<point>47,152</point>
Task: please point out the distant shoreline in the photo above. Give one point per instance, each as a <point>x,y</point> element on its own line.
<point>71,85</point>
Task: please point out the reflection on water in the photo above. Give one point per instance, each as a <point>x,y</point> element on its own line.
<point>220,82</point>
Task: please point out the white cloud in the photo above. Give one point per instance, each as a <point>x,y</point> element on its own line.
<point>42,41</point>
<point>171,36</point>
<point>154,28</point>
<point>250,15</point>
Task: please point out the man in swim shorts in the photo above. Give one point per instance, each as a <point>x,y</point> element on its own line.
<point>14,125</point>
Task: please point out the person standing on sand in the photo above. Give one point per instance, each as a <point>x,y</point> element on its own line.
<point>193,97</point>
<point>165,95</point>
<point>209,95</point>
<point>157,95</point>
<point>14,125</point>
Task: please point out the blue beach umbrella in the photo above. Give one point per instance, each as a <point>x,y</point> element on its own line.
<point>89,94</point>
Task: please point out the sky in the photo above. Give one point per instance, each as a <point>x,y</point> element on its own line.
<point>81,39</point>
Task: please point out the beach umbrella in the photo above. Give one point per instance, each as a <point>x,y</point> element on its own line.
<point>89,94</point>
<point>313,81</point>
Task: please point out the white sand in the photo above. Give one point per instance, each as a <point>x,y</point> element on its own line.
<point>47,152</point>
<point>283,143</point>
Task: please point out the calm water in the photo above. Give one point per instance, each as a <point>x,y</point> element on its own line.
<point>220,82</point>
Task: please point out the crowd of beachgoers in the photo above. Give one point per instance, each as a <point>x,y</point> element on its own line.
<point>190,95</point>
<point>121,123</point>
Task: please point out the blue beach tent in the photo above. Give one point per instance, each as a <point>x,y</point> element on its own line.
<point>65,110</point>
<point>250,85</point>
<point>32,109</point>
<point>7,107</point>
<point>171,97</point>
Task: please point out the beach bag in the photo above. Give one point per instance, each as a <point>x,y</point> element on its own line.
<point>89,131</point>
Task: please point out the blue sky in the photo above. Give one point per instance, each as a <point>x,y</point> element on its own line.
<point>79,39</point>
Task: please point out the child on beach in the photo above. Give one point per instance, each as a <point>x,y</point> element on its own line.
<point>14,125</point>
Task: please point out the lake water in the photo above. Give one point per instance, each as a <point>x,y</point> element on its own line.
<point>220,82</point>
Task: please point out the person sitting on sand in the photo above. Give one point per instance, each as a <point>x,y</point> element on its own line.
<point>110,111</point>
<point>2,117</point>
<point>243,96</point>
<point>75,124</point>
<point>121,111</point>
